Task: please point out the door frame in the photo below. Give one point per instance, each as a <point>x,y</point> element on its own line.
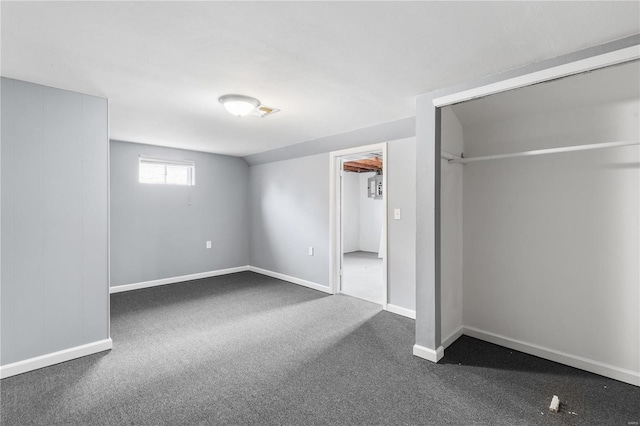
<point>336,202</point>
<point>428,133</point>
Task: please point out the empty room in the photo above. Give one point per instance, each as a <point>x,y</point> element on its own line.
<point>320,213</point>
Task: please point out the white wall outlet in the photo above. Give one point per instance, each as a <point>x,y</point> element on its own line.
<point>208,244</point>
<point>310,251</point>
<point>396,214</point>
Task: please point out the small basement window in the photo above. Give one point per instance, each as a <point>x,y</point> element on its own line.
<point>166,172</point>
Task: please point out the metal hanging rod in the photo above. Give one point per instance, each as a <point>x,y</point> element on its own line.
<point>447,156</point>
<point>461,160</point>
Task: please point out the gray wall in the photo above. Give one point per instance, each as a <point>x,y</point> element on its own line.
<point>54,287</point>
<point>451,225</point>
<point>156,233</point>
<point>401,234</point>
<point>392,130</point>
<point>290,212</point>
<point>562,271</point>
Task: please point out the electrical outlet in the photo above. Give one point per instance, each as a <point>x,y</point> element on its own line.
<point>208,244</point>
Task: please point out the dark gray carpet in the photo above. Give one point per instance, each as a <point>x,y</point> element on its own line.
<point>245,349</point>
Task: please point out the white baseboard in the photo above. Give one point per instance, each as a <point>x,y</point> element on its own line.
<point>399,310</point>
<point>428,354</point>
<point>54,358</point>
<point>172,280</point>
<point>291,279</point>
<point>627,376</point>
<point>447,341</point>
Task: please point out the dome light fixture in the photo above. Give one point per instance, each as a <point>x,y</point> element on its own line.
<point>239,105</point>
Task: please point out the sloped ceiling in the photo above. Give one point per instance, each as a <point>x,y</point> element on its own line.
<point>331,67</point>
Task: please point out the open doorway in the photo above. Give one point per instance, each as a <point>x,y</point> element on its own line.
<point>359,223</point>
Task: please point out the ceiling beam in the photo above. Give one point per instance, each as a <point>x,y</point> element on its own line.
<point>364,165</point>
<point>371,161</point>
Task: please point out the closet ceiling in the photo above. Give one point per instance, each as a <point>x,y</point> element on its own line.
<point>608,85</point>
<point>331,67</point>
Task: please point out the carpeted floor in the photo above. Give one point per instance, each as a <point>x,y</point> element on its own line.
<point>245,349</point>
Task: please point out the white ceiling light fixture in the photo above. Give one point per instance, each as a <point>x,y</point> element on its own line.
<point>239,105</point>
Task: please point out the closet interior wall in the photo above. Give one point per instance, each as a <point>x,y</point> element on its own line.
<point>452,141</point>
<point>550,244</point>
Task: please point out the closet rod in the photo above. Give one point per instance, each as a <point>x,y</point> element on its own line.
<point>447,156</point>
<point>541,151</point>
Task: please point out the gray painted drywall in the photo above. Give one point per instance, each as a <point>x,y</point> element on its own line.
<point>401,234</point>
<point>451,225</point>
<point>551,243</point>
<point>393,130</point>
<point>54,285</point>
<point>428,328</point>
<point>428,185</point>
<point>290,213</point>
<point>160,231</point>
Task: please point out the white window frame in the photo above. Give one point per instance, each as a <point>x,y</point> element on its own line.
<point>190,164</point>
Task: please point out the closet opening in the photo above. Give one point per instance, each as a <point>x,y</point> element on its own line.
<point>539,208</point>
<point>359,225</point>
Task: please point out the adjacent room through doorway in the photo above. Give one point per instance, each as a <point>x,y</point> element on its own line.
<point>363,227</point>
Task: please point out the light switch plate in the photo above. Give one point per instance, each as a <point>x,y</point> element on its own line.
<point>396,214</point>
<point>310,251</point>
<point>208,244</point>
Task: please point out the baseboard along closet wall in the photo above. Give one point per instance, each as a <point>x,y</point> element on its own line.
<point>549,252</point>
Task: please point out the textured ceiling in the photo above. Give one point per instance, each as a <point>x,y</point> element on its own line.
<point>331,67</point>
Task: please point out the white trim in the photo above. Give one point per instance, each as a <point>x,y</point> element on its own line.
<point>54,358</point>
<point>457,333</point>
<point>171,161</point>
<point>190,164</point>
<point>607,370</point>
<point>600,61</point>
<point>399,310</point>
<point>179,279</point>
<point>358,150</point>
<point>108,219</point>
<point>335,225</point>
<point>385,227</point>
<point>291,279</point>
<point>428,354</point>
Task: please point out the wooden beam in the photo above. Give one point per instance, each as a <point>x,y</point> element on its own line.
<point>351,169</point>
<point>371,161</point>
<point>364,165</point>
<point>358,169</point>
